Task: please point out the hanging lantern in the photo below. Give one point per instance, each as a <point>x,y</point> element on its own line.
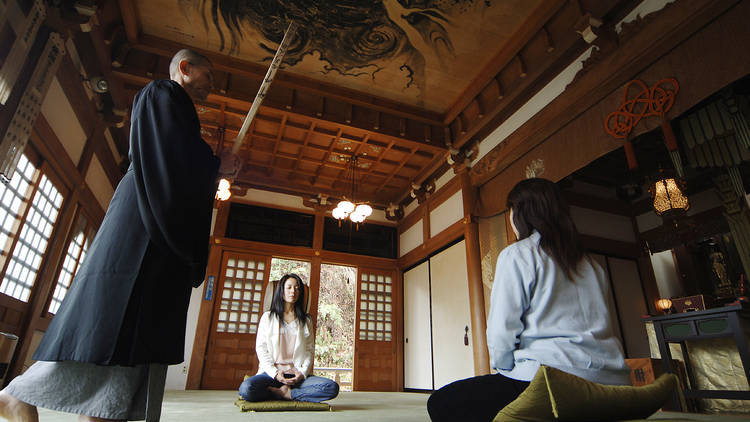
<point>669,199</point>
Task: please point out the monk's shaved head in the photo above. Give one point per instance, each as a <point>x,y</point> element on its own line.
<point>191,56</point>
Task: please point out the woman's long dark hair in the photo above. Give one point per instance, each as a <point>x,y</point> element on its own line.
<point>537,204</point>
<point>277,304</point>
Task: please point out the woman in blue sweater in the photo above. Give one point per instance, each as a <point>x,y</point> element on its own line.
<point>550,305</point>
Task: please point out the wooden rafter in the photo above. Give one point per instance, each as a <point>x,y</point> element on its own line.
<point>517,41</point>
<point>328,149</point>
<point>130,20</point>
<point>402,164</point>
<point>325,158</point>
<point>239,104</point>
<point>277,142</point>
<point>301,152</point>
<point>379,159</point>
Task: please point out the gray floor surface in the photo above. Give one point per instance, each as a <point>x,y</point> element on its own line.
<point>218,406</point>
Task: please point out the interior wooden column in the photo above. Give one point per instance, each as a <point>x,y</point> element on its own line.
<point>205,312</point>
<point>474,270</point>
<point>315,264</point>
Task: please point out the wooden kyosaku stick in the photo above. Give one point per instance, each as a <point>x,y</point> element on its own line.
<point>288,35</point>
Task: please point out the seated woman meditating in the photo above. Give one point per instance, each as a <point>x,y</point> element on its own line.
<point>284,344</point>
<point>549,306</point>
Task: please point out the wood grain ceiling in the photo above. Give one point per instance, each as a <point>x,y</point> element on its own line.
<point>309,120</point>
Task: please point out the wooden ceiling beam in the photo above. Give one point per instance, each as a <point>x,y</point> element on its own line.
<point>266,165</point>
<point>342,172</point>
<point>130,20</point>
<point>548,48</point>
<point>380,158</point>
<point>300,154</point>
<point>133,76</point>
<point>526,87</point>
<point>325,158</point>
<point>233,65</point>
<point>292,188</point>
<point>533,24</point>
<point>257,164</point>
<point>277,142</point>
<point>422,149</point>
<point>388,179</point>
<point>272,138</point>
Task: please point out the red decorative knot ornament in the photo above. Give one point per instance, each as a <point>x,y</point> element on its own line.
<point>640,101</point>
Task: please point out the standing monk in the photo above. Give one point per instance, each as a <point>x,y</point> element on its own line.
<point>105,354</point>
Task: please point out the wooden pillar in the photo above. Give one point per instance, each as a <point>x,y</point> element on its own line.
<point>474,270</point>
<point>315,264</point>
<point>205,312</point>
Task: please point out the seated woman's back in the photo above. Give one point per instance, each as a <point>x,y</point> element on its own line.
<point>540,315</point>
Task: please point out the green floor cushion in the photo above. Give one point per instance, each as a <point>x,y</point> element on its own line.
<point>533,405</point>
<point>557,395</point>
<point>279,405</point>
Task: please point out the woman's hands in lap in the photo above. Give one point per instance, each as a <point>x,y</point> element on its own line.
<point>297,379</point>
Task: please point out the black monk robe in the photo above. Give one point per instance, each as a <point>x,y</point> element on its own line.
<point>128,302</point>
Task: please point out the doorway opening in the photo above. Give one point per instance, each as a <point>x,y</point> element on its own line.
<point>282,266</point>
<point>334,340</point>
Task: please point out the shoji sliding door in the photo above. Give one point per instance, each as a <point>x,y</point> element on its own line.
<point>437,321</point>
<point>417,328</point>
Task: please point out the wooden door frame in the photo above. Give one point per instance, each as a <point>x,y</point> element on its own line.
<point>225,256</point>
<point>397,319</point>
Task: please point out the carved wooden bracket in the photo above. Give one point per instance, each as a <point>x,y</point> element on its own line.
<point>394,212</point>
<point>460,159</point>
<point>319,202</point>
<point>423,191</point>
<point>588,26</point>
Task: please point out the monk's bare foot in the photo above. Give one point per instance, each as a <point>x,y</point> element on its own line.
<point>15,410</point>
<point>284,392</point>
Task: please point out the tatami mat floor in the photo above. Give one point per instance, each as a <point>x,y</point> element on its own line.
<point>218,406</point>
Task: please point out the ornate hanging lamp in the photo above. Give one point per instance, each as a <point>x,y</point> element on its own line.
<point>357,212</point>
<point>667,193</point>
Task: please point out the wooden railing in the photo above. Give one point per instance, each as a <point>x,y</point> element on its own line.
<point>342,376</point>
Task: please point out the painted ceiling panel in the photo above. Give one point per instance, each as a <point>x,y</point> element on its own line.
<point>423,53</point>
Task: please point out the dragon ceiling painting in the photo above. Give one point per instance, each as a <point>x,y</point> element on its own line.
<point>418,52</point>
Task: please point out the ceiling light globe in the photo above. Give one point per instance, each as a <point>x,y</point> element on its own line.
<point>338,213</point>
<point>363,209</point>
<point>346,206</point>
<point>223,194</point>
<point>224,184</point>
<point>356,218</point>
